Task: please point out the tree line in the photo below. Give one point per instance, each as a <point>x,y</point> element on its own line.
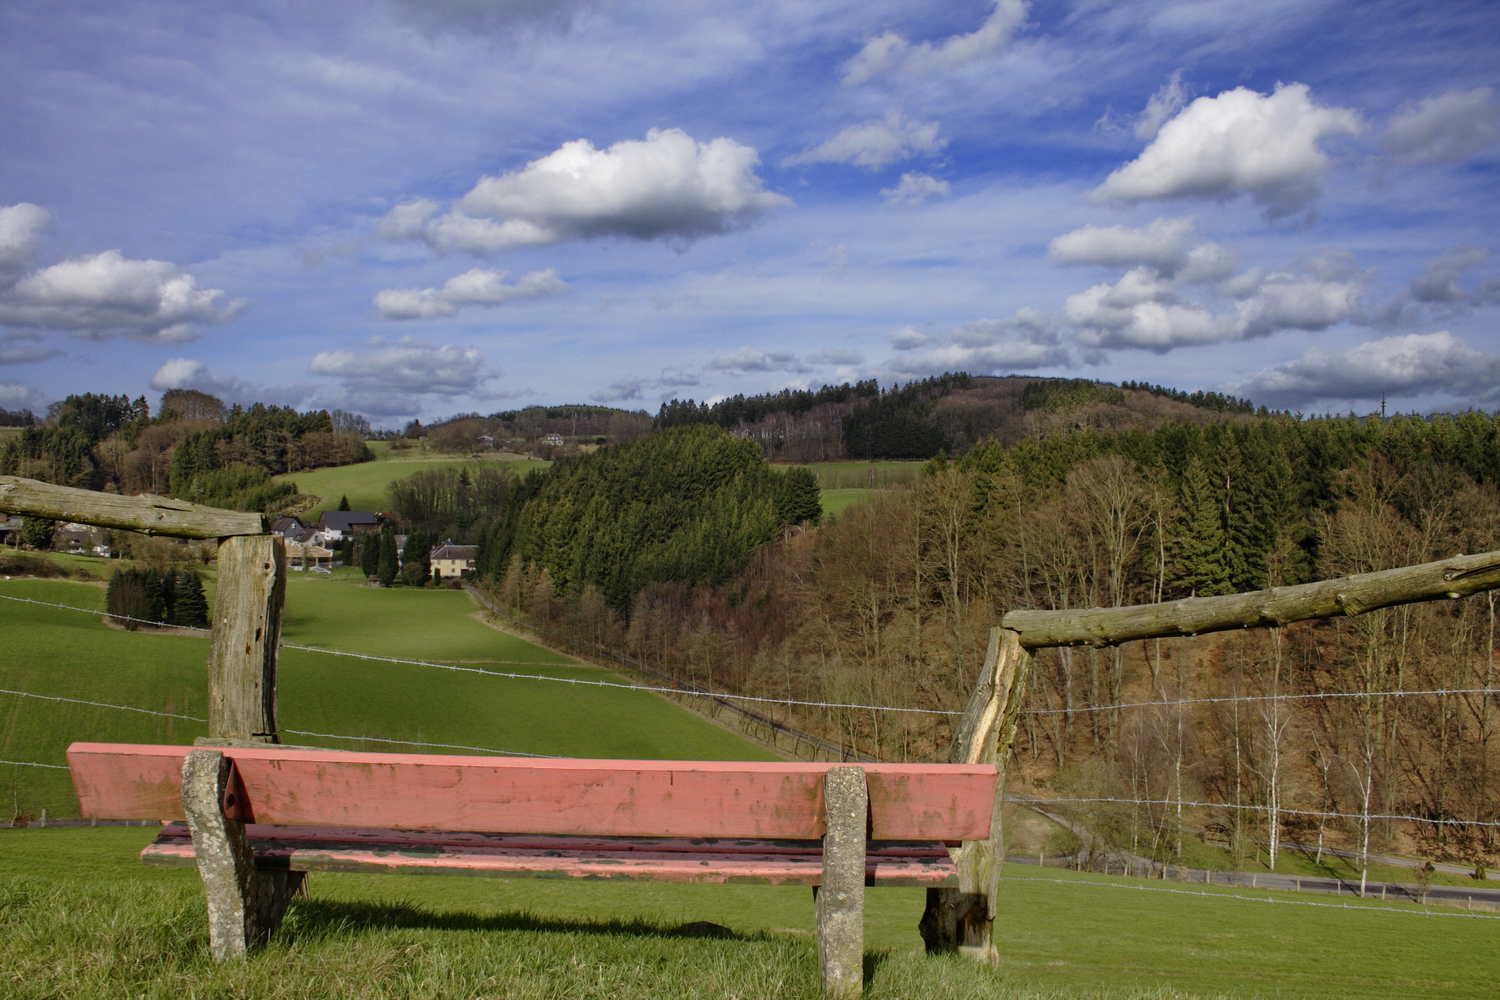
<point>890,604</point>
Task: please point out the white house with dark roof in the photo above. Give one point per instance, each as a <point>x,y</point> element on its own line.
<point>336,525</point>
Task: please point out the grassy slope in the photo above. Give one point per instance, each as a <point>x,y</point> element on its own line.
<point>834,501</point>
<point>61,893</point>
<point>865,475</point>
<point>367,484</point>
<point>64,653</point>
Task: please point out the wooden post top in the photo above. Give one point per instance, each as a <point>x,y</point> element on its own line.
<point>147,513</point>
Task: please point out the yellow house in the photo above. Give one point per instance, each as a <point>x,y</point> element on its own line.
<point>451,561</point>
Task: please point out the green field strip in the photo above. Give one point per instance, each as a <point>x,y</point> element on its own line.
<point>367,484</point>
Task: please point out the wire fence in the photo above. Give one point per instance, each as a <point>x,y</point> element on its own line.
<point>1357,908</point>
<point>725,698</point>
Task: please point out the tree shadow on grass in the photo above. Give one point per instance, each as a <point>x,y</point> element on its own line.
<point>323,918</point>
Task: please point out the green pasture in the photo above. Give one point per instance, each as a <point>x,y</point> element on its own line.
<point>834,501</point>
<point>49,651</point>
<point>367,484</point>
<point>866,475</point>
<point>82,917</point>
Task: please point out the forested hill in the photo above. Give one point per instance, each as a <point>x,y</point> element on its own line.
<point>949,413</point>
<point>689,505</point>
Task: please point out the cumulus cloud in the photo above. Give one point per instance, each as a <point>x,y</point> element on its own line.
<point>1241,142</point>
<point>619,391</point>
<point>22,227</point>
<point>1448,128</point>
<point>475,287</point>
<point>892,53</point>
<point>1163,104</point>
<point>1414,364</point>
<point>1169,246</point>
<point>98,295</point>
<point>914,189</point>
<point>909,338</point>
<point>667,186</point>
<point>17,396</point>
<point>1145,309</point>
<point>1027,341</point>
<point>389,379</point>
<point>748,359</point>
<point>187,373</point>
<point>20,348</point>
<point>836,356</point>
<point>875,143</point>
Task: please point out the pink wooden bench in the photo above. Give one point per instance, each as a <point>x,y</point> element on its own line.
<point>257,819</point>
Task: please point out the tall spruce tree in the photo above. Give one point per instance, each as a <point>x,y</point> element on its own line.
<point>388,565</point>
<point>1199,550</point>
<point>369,554</point>
<point>343,503</point>
<point>189,606</point>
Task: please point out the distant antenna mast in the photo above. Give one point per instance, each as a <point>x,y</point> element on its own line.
<point>1382,406</point>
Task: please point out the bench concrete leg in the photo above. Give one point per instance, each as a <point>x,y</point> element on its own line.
<point>244,906</point>
<point>841,902</point>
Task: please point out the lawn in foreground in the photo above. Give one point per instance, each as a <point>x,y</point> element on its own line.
<point>82,917</point>
<point>367,484</point>
<point>66,654</point>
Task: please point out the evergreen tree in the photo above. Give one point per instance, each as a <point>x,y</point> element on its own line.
<point>387,568</point>
<point>369,554</point>
<point>189,606</point>
<point>1199,547</point>
<point>799,501</point>
<point>343,503</point>
<point>36,532</point>
<point>417,552</point>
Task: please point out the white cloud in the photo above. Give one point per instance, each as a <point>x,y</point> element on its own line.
<point>890,52</point>
<point>388,379</point>
<point>1163,104</point>
<point>909,338</point>
<point>1413,364</point>
<point>665,186</point>
<point>1265,146</point>
<point>1026,341</point>
<point>1439,284</point>
<point>619,391</point>
<point>836,356</point>
<point>187,373</point>
<point>1164,245</point>
<point>914,189</point>
<point>1448,128</point>
<point>96,295</point>
<point>21,229</point>
<point>475,287</point>
<point>875,143</point>
<point>1145,309</point>
<point>748,359</point>
<point>17,396</point>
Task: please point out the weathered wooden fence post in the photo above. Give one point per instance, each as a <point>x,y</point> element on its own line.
<point>962,919</point>
<point>840,901</point>
<point>246,631</point>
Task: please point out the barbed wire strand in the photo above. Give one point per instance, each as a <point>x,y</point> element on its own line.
<point>298,732</point>
<point>1251,899</point>
<point>28,763</point>
<point>1441,692</point>
<point>1028,800</point>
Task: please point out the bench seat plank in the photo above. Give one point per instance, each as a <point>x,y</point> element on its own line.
<point>774,862</point>
<point>723,799</point>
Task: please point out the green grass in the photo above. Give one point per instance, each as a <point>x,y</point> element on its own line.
<point>834,501</point>
<point>81,917</point>
<point>367,484</point>
<point>866,475</point>
<point>61,653</point>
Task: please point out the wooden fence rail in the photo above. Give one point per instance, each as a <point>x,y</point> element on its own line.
<point>148,514</point>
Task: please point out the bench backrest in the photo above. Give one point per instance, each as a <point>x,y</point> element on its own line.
<point>625,798</point>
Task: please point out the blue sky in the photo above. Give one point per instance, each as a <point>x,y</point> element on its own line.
<point>412,208</point>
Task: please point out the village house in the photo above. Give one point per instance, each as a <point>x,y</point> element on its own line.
<point>286,526</point>
<point>451,561</point>
<point>336,525</point>
<point>554,440</point>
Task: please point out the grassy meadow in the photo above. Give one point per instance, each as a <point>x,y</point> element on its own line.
<point>367,484</point>
<point>82,917</point>
<point>48,651</point>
